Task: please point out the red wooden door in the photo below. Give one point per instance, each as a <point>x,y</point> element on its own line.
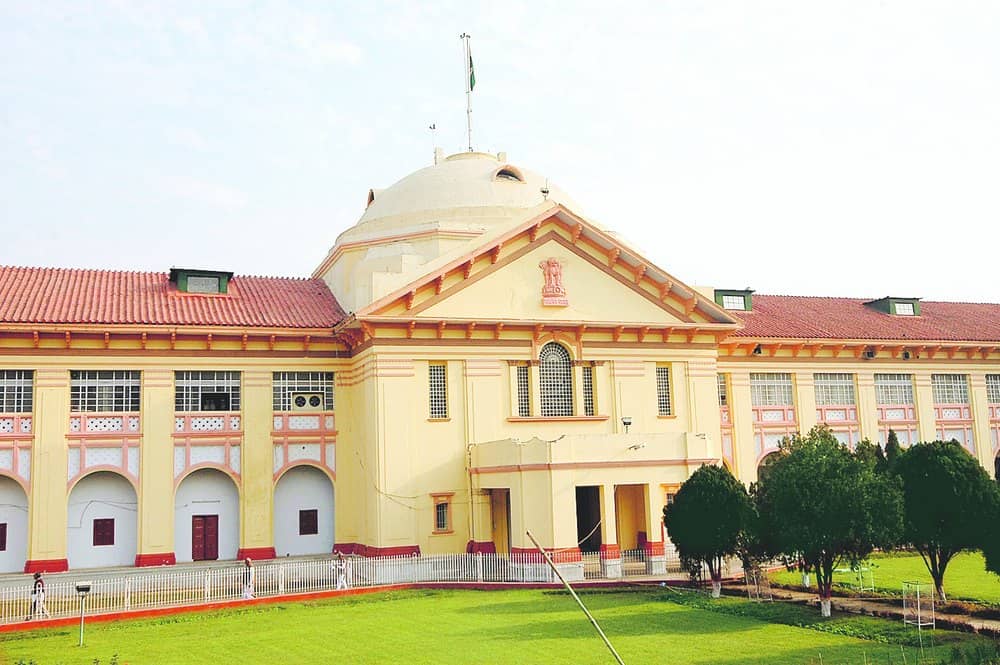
<point>211,537</point>
<point>204,537</point>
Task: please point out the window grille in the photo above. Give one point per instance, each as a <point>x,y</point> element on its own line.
<point>202,284</point>
<point>207,391</point>
<point>834,389</point>
<point>588,390</point>
<point>905,309</point>
<point>993,388</point>
<point>438,391</point>
<point>555,372</point>
<point>16,390</point>
<point>771,389</point>
<point>441,517</point>
<point>523,392</point>
<point>114,391</point>
<point>663,405</point>
<point>104,532</point>
<point>733,302</point>
<point>286,383</point>
<point>893,389</point>
<point>723,390</point>
<point>309,522</point>
<point>950,389</point>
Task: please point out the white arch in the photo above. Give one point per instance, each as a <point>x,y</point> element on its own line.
<point>102,495</point>
<point>13,513</point>
<point>299,489</point>
<point>207,492</point>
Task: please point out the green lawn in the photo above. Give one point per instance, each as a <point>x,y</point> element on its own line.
<point>965,579</point>
<point>517,626</point>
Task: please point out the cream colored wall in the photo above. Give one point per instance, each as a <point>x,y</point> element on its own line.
<point>49,491</point>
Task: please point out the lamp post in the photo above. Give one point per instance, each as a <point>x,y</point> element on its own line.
<point>82,589</point>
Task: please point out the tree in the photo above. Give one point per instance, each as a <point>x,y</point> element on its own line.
<point>892,450</point>
<point>991,534</point>
<point>946,494</point>
<point>707,518</point>
<point>828,506</point>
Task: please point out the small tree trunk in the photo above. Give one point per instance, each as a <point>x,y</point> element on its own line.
<point>716,588</point>
<point>939,588</point>
<point>805,578</point>
<point>824,607</point>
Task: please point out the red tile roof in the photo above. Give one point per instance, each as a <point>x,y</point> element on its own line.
<point>61,295</point>
<point>800,317</point>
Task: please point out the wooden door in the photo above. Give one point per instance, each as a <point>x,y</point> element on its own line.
<point>205,537</point>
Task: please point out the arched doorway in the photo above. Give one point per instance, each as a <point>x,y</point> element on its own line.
<point>303,512</point>
<point>101,522</point>
<point>13,526</point>
<point>206,517</point>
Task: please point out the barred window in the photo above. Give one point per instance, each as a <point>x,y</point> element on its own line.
<point>588,390</point>
<point>438,390</point>
<point>663,405</point>
<point>555,373</point>
<point>523,391</point>
<point>442,512</point>
<point>207,391</point>
<point>16,390</point>
<point>950,388</point>
<point>993,388</point>
<point>104,391</point>
<point>771,389</point>
<point>893,389</point>
<point>723,390</point>
<point>286,383</point>
<point>733,302</point>
<point>834,389</point>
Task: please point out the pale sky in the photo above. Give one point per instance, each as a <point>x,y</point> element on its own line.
<point>807,148</point>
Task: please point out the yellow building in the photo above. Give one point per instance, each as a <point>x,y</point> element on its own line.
<point>473,359</point>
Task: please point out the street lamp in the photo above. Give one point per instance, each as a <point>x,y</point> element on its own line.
<point>82,589</point>
<point>626,422</point>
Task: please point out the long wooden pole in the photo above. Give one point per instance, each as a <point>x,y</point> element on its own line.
<point>593,621</point>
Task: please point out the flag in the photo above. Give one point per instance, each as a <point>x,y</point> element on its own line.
<point>472,74</point>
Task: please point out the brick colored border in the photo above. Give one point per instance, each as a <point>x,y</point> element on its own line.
<point>46,565</point>
<point>476,547</point>
<point>256,553</point>
<point>371,551</point>
<point>145,560</point>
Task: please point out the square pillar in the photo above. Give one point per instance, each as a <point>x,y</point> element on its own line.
<point>923,395</point>
<point>257,468</point>
<point>805,400</point>
<point>611,554</point>
<point>656,558</point>
<point>867,403</point>
<point>47,512</point>
<point>156,470</point>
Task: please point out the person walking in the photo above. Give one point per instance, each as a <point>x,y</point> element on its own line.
<point>340,566</point>
<point>249,577</point>
<point>38,598</point>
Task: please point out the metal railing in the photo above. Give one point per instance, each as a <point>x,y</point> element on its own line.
<point>151,589</point>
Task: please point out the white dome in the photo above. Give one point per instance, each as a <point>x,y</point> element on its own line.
<point>468,191</point>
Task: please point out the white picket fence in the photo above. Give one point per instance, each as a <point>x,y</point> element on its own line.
<point>156,588</point>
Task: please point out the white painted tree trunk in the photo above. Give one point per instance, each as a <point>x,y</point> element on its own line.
<point>824,607</point>
<point>716,589</point>
<point>805,579</point>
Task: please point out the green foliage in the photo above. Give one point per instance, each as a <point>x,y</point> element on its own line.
<point>827,505</point>
<point>868,452</point>
<point>946,496</point>
<point>708,517</point>
<point>892,450</point>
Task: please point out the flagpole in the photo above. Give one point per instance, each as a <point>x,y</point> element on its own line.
<point>468,86</point>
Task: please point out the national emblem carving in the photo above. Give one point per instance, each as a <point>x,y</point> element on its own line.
<point>553,291</point>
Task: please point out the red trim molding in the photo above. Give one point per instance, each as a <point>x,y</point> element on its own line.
<point>46,566</point>
<point>654,548</point>
<point>258,553</point>
<point>370,550</point>
<point>476,547</point>
<point>164,559</point>
<point>559,554</point>
<point>611,551</point>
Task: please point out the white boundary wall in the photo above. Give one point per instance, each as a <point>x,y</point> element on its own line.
<point>303,488</point>
<point>13,511</point>
<point>101,495</point>
<point>207,492</point>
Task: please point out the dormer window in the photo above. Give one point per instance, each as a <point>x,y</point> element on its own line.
<point>897,306</point>
<point>734,300</point>
<point>212,282</point>
<point>509,173</point>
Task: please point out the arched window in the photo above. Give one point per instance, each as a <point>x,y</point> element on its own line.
<point>555,373</point>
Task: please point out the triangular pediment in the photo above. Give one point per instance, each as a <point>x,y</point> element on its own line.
<point>604,282</point>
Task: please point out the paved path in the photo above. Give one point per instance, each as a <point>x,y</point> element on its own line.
<point>882,607</point>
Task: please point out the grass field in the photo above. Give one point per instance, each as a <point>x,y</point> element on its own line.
<point>517,626</point>
<point>965,579</point>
